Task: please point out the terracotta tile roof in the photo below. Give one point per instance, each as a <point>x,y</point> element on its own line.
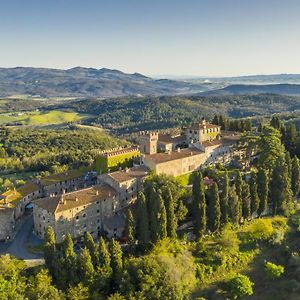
<point>125,175</point>
<point>168,139</point>
<point>226,140</point>
<point>200,126</point>
<point>75,199</point>
<point>72,174</point>
<point>164,157</point>
<point>19,193</point>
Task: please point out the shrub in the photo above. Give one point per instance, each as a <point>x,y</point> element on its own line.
<point>277,237</point>
<point>240,285</point>
<point>273,271</point>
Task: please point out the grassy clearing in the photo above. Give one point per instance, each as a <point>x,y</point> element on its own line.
<point>41,118</point>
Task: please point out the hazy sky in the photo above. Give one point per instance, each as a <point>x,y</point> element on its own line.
<point>186,37</point>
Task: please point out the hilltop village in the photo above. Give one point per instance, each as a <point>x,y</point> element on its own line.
<point>76,203</point>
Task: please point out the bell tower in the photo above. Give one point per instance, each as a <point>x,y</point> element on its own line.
<point>148,142</point>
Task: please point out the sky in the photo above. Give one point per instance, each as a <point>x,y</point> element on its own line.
<point>153,37</point>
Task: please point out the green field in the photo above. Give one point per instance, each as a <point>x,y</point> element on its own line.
<point>40,117</point>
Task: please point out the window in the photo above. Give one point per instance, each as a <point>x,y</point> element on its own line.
<point>77,218</point>
<point>84,215</point>
<point>98,210</point>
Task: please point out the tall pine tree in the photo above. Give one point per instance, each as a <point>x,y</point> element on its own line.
<point>104,257</point>
<point>246,204</point>
<point>50,251</point>
<point>129,229</point>
<point>224,198</point>
<point>142,224</point>
<point>70,260</point>
<point>171,220</point>
<point>85,267</point>
<point>92,247</point>
<point>234,206</point>
<point>116,262</point>
<point>238,184</point>
<point>263,190</point>
<point>199,205</point>
<point>214,210</point>
<point>162,218</point>
<point>281,193</point>
<point>254,199</point>
<point>295,176</point>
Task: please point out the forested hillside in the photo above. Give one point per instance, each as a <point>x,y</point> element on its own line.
<point>138,113</point>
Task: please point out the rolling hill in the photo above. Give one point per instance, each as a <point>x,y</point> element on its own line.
<point>251,89</point>
<point>87,82</point>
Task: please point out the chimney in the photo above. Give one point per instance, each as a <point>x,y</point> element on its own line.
<point>97,193</point>
<point>62,201</point>
<point>76,198</point>
<point>178,149</point>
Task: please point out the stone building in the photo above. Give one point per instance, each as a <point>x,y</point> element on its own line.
<point>202,132</point>
<point>76,212</point>
<point>114,159</point>
<point>203,144</point>
<point>148,142</point>
<point>13,205</point>
<point>126,183</point>
<point>62,183</point>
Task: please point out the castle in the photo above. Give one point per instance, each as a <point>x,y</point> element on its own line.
<point>64,202</point>
<point>199,146</point>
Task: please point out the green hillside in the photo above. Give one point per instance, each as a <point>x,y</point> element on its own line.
<point>40,117</point>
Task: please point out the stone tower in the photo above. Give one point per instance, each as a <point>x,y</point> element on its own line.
<point>148,142</point>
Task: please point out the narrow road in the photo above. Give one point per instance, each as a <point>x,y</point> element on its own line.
<point>18,247</point>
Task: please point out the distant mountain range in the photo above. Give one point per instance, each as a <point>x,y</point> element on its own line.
<point>243,89</point>
<point>82,82</point>
<point>87,82</point>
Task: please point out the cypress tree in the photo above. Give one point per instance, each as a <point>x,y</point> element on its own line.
<point>116,262</point>
<point>92,247</point>
<point>142,224</point>
<point>154,218</point>
<point>291,139</point>
<point>70,260</point>
<point>254,199</point>
<point>104,257</point>
<point>215,120</point>
<point>288,162</point>
<point>295,180</point>
<point>234,205</point>
<point>85,267</point>
<point>275,122</point>
<point>129,229</point>
<point>171,220</point>
<point>263,190</point>
<point>162,218</point>
<point>199,205</point>
<point>281,193</point>
<point>238,184</point>
<point>50,252</point>
<point>246,205</point>
<point>224,198</point>
<point>214,210</point>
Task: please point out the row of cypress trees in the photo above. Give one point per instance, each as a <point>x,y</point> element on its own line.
<point>97,266</point>
<point>155,218</point>
<point>223,202</point>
